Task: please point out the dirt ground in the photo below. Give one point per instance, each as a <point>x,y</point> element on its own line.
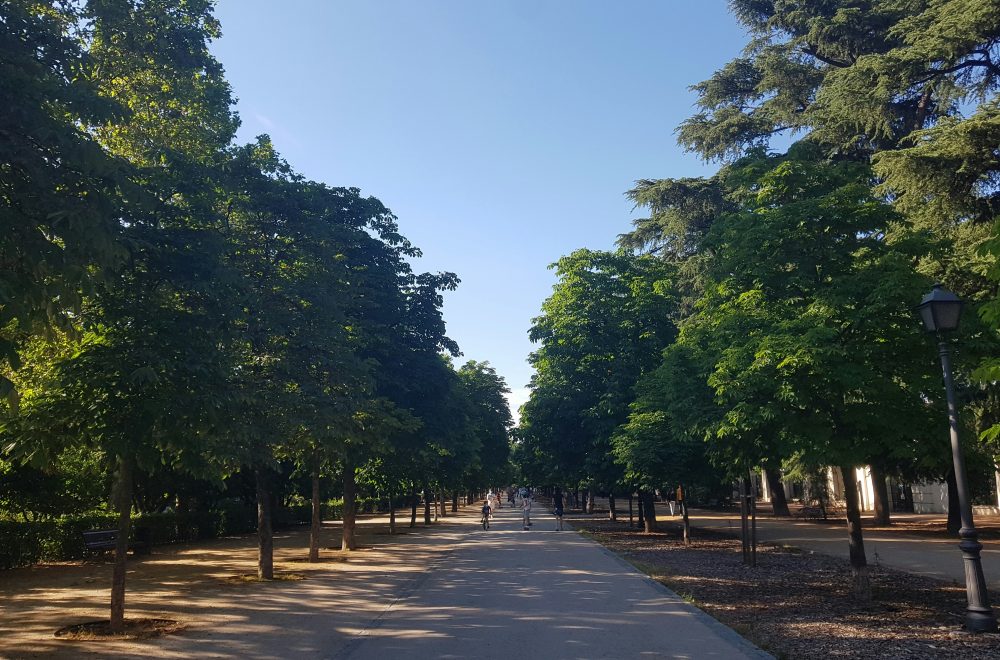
<point>225,617</point>
<point>797,604</point>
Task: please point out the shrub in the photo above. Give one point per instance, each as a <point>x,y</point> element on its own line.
<point>28,542</point>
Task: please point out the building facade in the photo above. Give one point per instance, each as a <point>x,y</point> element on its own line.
<point>925,497</point>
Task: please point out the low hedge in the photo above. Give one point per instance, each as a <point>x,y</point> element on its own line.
<point>29,542</point>
<point>23,543</point>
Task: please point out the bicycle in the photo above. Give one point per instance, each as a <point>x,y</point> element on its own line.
<point>486,521</point>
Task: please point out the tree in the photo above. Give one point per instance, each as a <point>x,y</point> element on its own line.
<point>886,80</point>
<point>603,327</point>
<point>131,387</point>
<point>62,195</point>
<point>662,444</point>
<point>808,329</point>
<point>855,76</point>
<point>490,423</point>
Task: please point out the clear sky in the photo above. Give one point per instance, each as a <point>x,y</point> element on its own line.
<point>502,134</point>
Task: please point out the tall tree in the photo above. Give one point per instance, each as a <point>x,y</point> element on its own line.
<point>808,331</point>
<point>490,423</point>
<point>151,333</point>
<point>855,75</point>
<point>62,196</point>
<point>603,327</point>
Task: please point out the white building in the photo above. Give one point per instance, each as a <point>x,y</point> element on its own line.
<point>927,497</point>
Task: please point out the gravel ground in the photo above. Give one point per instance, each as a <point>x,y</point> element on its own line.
<point>798,605</point>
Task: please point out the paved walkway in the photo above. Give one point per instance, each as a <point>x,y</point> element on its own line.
<point>923,555</point>
<point>506,593</point>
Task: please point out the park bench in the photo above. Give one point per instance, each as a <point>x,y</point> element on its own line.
<point>106,540</point>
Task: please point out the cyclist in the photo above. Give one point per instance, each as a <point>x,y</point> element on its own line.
<point>487,512</point>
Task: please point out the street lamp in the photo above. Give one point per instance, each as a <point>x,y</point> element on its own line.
<point>940,310</point>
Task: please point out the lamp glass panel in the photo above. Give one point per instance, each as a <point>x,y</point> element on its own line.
<point>927,315</point>
<point>946,315</point>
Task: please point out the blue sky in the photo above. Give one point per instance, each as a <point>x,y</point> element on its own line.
<point>503,134</point>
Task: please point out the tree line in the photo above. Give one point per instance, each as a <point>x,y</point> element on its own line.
<point>762,318</point>
<point>182,315</point>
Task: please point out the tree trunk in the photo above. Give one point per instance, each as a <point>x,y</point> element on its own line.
<point>650,507</point>
<point>954,510</point>
<point>265,536</point>
<point>641,514</point>
<point>612,512</point>
<point>882,505</point>
<point>753,528</point>
<point>347,540</point>
<point>920,116</point>
<point>414,501</point>
<point>123,504</point>
<point>454,502</point>
<point>317,517</point>
<point>859,563</point>
<point>778,501</point>
<point>427,506</point>
<point>744,521</point>
<point>590,501</point>
<point>392,515</point>
<point>684,514</point>
<point>630,515</point>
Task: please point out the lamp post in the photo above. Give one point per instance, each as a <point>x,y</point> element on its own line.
<point>940,310</point>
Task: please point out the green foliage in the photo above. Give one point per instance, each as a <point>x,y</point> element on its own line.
<point>807,338</point>
<point>489,422</point>
<point>61,193</point>
<point>603,327</point>
<point>853,75</point>
<point>75,482</point>
<point>209,314</point>
<point>23,543</point>
<point>910,84</point>
<point>950,170</point>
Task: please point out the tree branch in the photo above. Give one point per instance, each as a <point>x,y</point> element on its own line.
<point>813,51</point>
<point>934,73</point>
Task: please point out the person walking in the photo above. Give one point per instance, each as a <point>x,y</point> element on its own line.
<point>680,498</point>
<point>526,511</point>
<point>672,501</point>
<point>557,509</point>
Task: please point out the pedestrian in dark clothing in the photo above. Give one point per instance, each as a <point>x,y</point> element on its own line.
<point>557,506</point>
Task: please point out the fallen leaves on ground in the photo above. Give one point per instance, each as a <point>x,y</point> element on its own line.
<point>135,629</point>
<point>798,604</point>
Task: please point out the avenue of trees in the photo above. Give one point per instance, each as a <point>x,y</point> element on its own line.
<point>185,321</point>
<point>762,318</point>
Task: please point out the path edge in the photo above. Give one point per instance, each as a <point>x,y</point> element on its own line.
<point>716,626</point>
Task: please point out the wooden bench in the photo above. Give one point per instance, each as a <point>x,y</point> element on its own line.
<point>106,540</point>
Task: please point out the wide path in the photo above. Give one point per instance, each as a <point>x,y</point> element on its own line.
<point>506,593</point>
<point>922,555</point>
